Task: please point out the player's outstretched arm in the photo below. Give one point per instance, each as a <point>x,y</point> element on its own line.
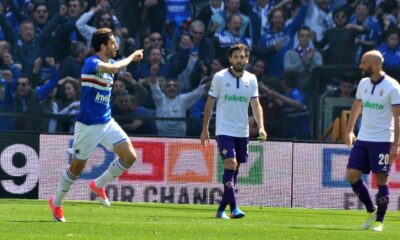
<point>394,149</point>
<point>205,135</point>
<point>114,68</point>
<point>349,136</point>
<point>258,116</point>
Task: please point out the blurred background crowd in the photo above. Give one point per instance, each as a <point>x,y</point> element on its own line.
<point>301,51</point>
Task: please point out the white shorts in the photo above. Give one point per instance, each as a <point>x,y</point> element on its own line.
<point>87,137</point>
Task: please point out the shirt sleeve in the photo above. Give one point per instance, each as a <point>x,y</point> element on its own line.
<point>215,88</point>
<point>91,65</point>
<point>254,90</point>
<point>358,93</point>
<point>395,95</point>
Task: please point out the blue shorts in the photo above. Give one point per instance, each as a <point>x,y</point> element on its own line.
<point>370,156</point>
<point>233,147</point>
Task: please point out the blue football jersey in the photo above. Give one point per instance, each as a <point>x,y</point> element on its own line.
<point>95,93</point>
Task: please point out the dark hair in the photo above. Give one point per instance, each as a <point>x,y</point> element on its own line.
<point>101,36</point>
<point>303,27</point>
<point>273,12</point>
<point>291,78</point>
<point>239,47</point>
<point>76,48</point>
<point>232,16</point>
<point>38,5</point>
<point>100,14</point>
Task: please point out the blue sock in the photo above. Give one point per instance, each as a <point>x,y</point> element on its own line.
<point>382,202</point>
<point>361,190</point>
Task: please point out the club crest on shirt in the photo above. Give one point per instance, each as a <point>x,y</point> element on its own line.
<point>365,91</point>
<point>246,83</point>
<point>224,152</point>
<point>381,92</point>
<point>227,85</point>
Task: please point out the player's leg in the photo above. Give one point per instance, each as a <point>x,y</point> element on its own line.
<point>382,201</point>
<point>116,140</point>
<point>226,146</point>
<point>379,160</point>
<point>357,164</point>
<point>241,149</point>
<point>84,142</point>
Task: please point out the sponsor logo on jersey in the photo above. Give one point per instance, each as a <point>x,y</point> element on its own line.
<point>372,105</point>
<point>235,98</point>
<point>103,99</point>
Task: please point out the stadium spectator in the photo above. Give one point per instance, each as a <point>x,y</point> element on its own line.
<point>133,87</point>
<point>272,108</point>
<point>278,39</point>
<point>72,65</point>
<point>154,65</point>
<point>178,15</point>
<point>213,7</point>
<point>303,58</point>
<point>172,104</point>
<point>319,17</point>
<point>340,39</point>
<point>231,36</point>
<point>346,89</point>
<point>373,32</point>
<point>28,46</point>
<point>26,99</point>
<point>202,47</point>
<point>296,124</point>
<point>219,20</point>
<point>103,19</point>
<point>129,115</point>
<point>258,68</point>
<point>390,50</point>
<point>71,105</point>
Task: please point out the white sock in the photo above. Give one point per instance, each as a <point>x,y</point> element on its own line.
<point>66,180</point>
<point>116,168</point>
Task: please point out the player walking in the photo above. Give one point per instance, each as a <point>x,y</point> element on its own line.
<point>376,147</point>
<point>233,88</point>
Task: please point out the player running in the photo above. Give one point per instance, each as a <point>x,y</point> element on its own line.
<point>94,123</point>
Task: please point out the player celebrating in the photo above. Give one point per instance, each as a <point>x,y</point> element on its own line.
<point>94,123</point>
<point>234,88</point>
<point>377,142</point>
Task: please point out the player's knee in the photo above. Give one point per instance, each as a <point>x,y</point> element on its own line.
<point>130,158</point>
<point>352,178</point>
<point>77,167</point>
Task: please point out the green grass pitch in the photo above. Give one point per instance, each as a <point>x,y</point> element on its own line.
<point>31,219</point>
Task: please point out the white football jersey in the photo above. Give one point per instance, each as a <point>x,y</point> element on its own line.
<point>377,122</point>
<point>233,96</point>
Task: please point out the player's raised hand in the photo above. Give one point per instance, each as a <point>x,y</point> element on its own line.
<point>349,139</point>
<point>394,153</point>
<point>205,138</point>
<point>137,55</point>
<point>262,134</point>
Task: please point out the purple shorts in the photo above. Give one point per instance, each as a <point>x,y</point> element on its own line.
<point>370,156</point>
<point>233,147</point>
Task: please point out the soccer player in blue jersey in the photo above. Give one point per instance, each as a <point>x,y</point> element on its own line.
<point>234,89</point>
<point>376,147</point>
<point>94,124</point>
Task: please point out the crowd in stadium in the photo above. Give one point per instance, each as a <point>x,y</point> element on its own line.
<point>43,45</point>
